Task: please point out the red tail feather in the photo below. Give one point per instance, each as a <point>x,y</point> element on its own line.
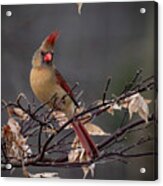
<point>85,140</point>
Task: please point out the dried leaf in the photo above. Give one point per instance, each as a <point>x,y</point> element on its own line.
<point>125,104</point>
<point>16,144</point>
<point>95,130</point>
<point>148,101</point>
<point>58,114</point>
<point>61,118</point>
<point>87,169</point>
<point>26,173</point>
<point>44,175</point>
<point>79,5</point>
<point>14,126</point>
<point>18,112</point>
<point>86,117</point>
<point>113,107</point>
<point>137,104</point>
<point>99,102</point>
<point>21,114</point>
<point>49,130</point>
<point>74,154</point>
<point>79,110</point>
<point>78,152</point>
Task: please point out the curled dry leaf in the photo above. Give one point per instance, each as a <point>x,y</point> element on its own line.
<point>79,6</point>
<point>44,175</point>
<point>86,169</point>
<point>16,145</point>
<point>21,114</point>
<point>26,173</point>
<point>86,117</point>
<point>18,112</point>
<point>61,118</point>
<point>79,110</point>
<point>95,130</point>
<point>77,153</point>
<point>113,107</point>
<point>99,102</point>
<point>137,104</point>
<point>49,130</point>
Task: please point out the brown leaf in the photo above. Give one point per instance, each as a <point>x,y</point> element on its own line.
<point>49,130</point>
<point>86,169</point>
<point>21,114</point>
<point>79,5</point>
<point>113,107</point>
<point>84,118</point>
<point>18,112</point>
<point>78,152</point>
<point>137,104</point>
<point>26,173</point>
<point>95,130</point>
<point>16,144</point>
<point>148,101</point>
<point>44,175</point>
<point>74,153</point>
<point>14,126</point>
<point>99,102</point>
<point>61,118</point>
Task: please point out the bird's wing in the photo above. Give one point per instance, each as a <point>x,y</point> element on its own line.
<point>61,81</point>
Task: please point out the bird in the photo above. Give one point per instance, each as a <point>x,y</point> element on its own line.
<point>48,83</point>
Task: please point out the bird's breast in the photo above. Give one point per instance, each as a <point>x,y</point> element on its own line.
<point>43,83</point>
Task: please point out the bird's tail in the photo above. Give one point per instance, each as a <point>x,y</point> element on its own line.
<point>85,139</point>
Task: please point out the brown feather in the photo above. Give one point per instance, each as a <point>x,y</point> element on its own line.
<point>65,86</point>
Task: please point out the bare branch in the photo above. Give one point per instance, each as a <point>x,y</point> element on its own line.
<point>52,138</point>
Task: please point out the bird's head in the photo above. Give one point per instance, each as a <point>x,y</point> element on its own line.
<point>44,54</point>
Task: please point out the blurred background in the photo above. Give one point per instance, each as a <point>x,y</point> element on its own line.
<point>112,39</point>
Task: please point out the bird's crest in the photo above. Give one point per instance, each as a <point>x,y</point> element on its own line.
<point>50,40</point>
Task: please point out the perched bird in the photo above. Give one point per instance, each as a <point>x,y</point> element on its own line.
<point>46,83</point>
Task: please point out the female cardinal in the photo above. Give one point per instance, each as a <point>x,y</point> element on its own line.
<point>46,83</point>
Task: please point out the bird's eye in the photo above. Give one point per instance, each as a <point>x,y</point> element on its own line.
<point>47,57</point>
<point>42,53</point>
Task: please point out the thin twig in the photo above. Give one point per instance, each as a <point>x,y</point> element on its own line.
<point>120,132</point>
<point>106,89</point>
